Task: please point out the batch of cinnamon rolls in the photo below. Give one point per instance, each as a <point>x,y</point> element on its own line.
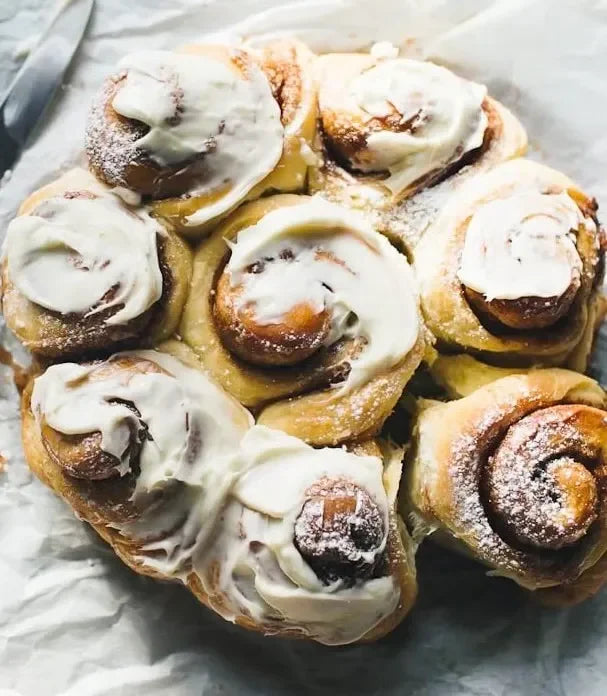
<point>299,314</point>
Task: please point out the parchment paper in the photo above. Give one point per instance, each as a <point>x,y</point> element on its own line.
<point>74,621</point>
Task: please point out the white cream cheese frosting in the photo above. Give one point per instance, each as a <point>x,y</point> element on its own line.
<point>192,434</point>
<point>445,112</point>
<point>261,572</point>
<point>202,106</point>
<point>337,262</point>
<point>523,245</point>
<point>69,253</point>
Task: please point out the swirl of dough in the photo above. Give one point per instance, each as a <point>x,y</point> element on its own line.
<point>300,307</point>
<point>86,268</point>
<point>511,268</point>
<point>544,494</point>
<point>515,472</point>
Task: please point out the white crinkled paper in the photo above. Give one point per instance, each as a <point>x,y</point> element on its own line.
<point>73,620</point>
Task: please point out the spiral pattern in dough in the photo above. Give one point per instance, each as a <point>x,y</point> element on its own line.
<point>515,473</point>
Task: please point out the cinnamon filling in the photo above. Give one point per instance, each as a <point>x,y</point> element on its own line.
<point>280,65</point>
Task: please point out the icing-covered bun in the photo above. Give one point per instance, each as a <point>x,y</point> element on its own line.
<point>324,559</point>
<point>520,254</point>
<point>410,119</point>
<point>511,269</point>
<point>309,275</point>
<point>202,129</point>
<point>90,455</point>
<point>83,270</point>
<point>140,427</point>
<point>307,301</point>
<point>397,137</point>
<point>168,123</point>
<point>104,255</point>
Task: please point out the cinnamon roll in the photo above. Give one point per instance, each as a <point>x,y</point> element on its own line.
<point>85,270</point>
<point>392,128</point>
<point>302,311</point>
<point>328,558</point>
<point>512,268</point>
<point>169,470</point>
<point>141,445</point>
<point>515,474</point>
<point>200,130</point>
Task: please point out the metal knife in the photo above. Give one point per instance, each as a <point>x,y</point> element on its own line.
<point>40,75</point>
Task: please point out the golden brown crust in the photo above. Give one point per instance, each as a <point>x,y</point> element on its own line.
<point>523,313</point>
<point>54,335</point>
<point>496,472</point>
<point>579,590</point>
<point>400,551</point>
<point>300,403</point>
<point>301,333</point>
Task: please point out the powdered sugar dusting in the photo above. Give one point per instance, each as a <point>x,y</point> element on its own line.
<point>545,506</point>
<point>537,487</point>
<point>110,149</point>
<point>340,531</point>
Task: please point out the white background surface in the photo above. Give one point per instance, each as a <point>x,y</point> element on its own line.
<point>74,621</point>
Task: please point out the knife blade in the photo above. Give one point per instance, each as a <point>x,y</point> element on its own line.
<point>39,76</point>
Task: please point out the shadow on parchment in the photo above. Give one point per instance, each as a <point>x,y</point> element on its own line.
<point>463,625</point>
